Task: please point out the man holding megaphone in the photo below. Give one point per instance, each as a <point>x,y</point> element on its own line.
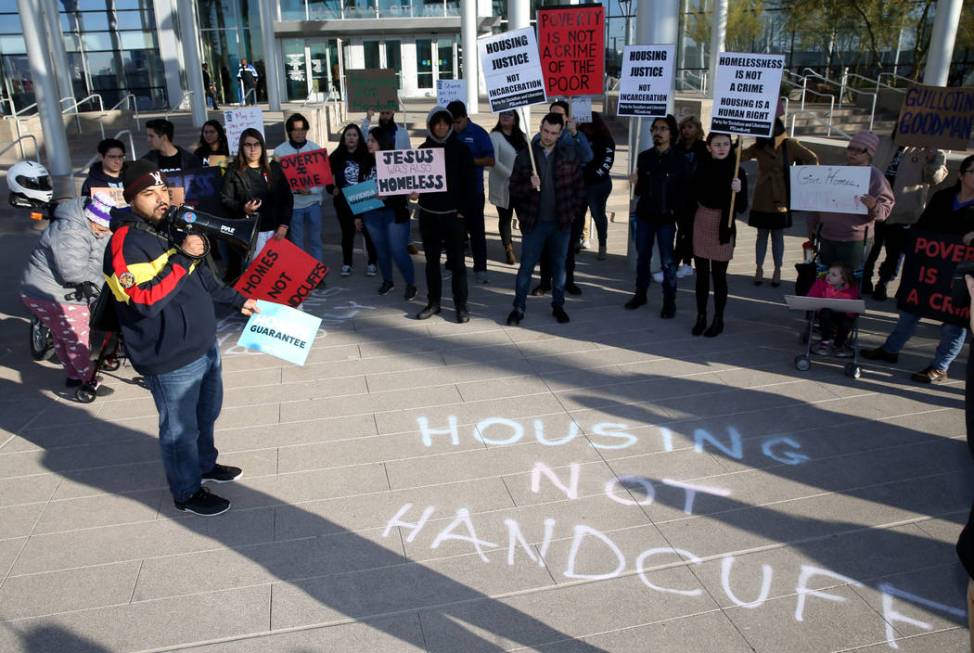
<point>164,292</point>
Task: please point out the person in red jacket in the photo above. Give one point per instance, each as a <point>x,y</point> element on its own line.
<point>838,283</point>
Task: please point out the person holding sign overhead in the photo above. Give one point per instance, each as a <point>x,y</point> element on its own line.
<point>441,216</point>
<point>547,201</point>
<point>843,233</point>
<point>306,216</point>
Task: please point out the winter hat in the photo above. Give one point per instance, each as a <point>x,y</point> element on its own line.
<point>867,141</point>
<point>140,175</point>
<point>99,210</point>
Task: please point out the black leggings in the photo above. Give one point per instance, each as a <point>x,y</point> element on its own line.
<point>706,268</point>
<point>347,222</point>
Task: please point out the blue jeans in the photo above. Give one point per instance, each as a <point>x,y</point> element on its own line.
<point>188,400</point>
<point>663,235</point>
<point>597,195</point>
<point>474,219</point>
<point>951,340</point>
<point>532,245</point>
<point>390,239</point>
<point>306,225</point>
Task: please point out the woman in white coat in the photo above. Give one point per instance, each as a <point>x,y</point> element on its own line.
<point>508,139</point>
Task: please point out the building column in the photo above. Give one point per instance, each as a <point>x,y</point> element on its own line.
<point>718,36</point>
<point>59,56</point>
<point>189,33</point>
<point>657,22</point>
<point>168,50</point>
<point>519,16</point>
<point>942,39</point>
<point>272,66</point>
<point>46,94</point>
<point>468,39</point>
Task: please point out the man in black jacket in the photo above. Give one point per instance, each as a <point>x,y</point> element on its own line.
<point>166,156</point>
<point>441,216</point>
<point>164,295</point>
<point>661,179</point>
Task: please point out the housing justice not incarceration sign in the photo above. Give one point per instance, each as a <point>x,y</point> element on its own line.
<point>746,93</point>
<point>647,80</point>
<point>512,70</point>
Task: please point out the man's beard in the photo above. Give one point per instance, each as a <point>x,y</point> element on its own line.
<point>386,124</point>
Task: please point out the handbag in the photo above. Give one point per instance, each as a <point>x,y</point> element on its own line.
<point>102,312</point>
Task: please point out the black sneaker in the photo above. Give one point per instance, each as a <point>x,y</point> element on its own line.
<point>463,315</point>
<point>572,289</point>
<point>879,354</point>
<point>879,294</point>
<point>639,299</point>
<point>669,309</point>
<point>385,287</point>
<point>560,315</point>
<point>221,474</point>
<point>515,318</point>
<point>410,292</point>
<point>204,504</point>
<point>428,311</point>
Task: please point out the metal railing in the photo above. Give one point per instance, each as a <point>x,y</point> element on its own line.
<point>817,120</point>
<point>128,97</point>
<point>170,109</point>
<point>842,89</point>
<point>845,82</point>
<point>806,91</point>
<point>701,78</point>
<point>894,77</point>
<point>251,91</point>
<point>16,118</point>
<point>77,117</point>
<point>87,164</point>
<point>20,141</point>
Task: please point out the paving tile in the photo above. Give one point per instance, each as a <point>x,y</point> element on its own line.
<point>9,550</point>
<point>100,510</point>
<point>358,404</point>
<point>936,596</point>
<point>30,489</point>
<point>955,640</point>
<point>63,591</point>
<point>468,413</point>
<point>313,431</point>
<point>16,521</point>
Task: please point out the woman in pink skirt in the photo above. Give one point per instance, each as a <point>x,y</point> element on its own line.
<point>714,229</point>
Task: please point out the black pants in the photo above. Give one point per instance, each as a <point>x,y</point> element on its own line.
<point>705,269</point>
<point>834,326</point>
<point>894,237</point>
<point>504,218</point>
<point>683,250</point>
<point>347,222</point>
<point>439,231</point>
<point>969,404</point>
<point>578,226</point>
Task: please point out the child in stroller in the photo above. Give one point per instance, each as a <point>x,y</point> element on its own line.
<point>834,327</point>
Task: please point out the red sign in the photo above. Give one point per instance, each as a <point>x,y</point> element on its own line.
<point>572,44</point>
<point>283,273</point>
<point>306,170</point>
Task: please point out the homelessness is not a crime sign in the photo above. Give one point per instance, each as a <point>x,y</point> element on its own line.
<point>935,116</point>
<point>925,285</point>
<point>403,172</point>
<point>306,170</point>
<point>512,70</point>
<point>647,80</point>
<point>281,272</point>
<point>571,41</point>
<point>746,93</point>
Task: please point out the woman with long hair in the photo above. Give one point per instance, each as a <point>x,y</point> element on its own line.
<point>598,175</point>
<point>213,141</point>
<point>347,162</point>
<point>255,186</point>
<point>389,226</point>
<point>508,139</point>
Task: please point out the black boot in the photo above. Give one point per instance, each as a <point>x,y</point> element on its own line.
<point>515,317</point>
<point>716,327</point>
<point>429,311</point>
<point>669,308</point>
<point>639,299</point>
<point>700,325</point>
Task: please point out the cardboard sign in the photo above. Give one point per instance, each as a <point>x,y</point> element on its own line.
<point>281,331</point>
<point>581,109</point>
<point>646,84</point>
<point>746,92</point>
<point>113,196</point>
<point>512,70</point>
<point>571,40</point>
<point>306,170</point>
<point>362,197</point>
<point>237,120</point>
<point>934,116</point>
<point>281,273</point>
<point>925,286</point>
<point>376,89</point>
<point>832,189</point>
<point>448,90</point>
<point>198,188</point>
<point>403,172</point>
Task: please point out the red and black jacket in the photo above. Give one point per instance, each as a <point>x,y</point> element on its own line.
<point>164,299</point>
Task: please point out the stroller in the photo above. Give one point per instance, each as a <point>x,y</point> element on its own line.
<point>808,271</point>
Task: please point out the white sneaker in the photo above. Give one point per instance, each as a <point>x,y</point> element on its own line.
<point>586,244</point>
<point>346,270</point>
<point>684,271</point>
<point>658,276</point>
<point>370,271</point>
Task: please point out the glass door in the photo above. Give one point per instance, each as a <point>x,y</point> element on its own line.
<point>295,69</point>
<point>446,58</point>
<point>424,63</point>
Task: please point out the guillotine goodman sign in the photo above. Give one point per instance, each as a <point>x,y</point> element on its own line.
<point>512,70</point>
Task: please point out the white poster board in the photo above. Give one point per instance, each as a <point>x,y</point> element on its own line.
<point>646,84</point>
<point>448,90</point>
<point>512,69</point>
<point>581,109</point>
<point>832,189</point>
<point>746,91</point>
<point>237,120</point>
<point>403,172</point>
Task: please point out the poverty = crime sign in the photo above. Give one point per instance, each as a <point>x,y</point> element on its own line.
<point>512,70</point>
<point>280,331</point>
<point>647,80</point>
<point>306,170</point>
<point>237,120</point>
<point>362,197</point>
<point>934,116</point>
<point>376,89</point>
<point>571,41</point>
<point>281,272</point>
<point>746,93</point>
<point>403,172</point>
<point>925,286</point>
<point>834,189</point>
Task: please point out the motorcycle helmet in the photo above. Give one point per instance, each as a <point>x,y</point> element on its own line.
<point>30,185</point>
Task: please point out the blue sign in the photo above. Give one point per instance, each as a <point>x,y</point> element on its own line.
<point>280,331</point>
<point>363,197</point>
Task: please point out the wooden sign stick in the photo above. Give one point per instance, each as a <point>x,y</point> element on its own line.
<point>737,168</point>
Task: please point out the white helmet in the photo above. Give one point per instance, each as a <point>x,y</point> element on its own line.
<point>29,184</point>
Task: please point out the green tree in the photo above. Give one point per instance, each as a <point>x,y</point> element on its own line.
<point>743,24</point>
